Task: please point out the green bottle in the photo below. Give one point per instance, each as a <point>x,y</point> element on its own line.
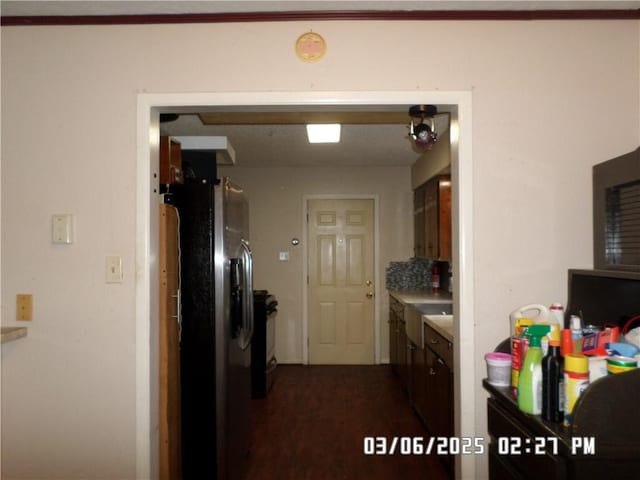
<point>530,380</point>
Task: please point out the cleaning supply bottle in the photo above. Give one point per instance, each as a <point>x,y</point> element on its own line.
<point>576,380</point>
<point>519,344</point>
<point>566,344</point>
<point>530,380</point>
<point>553,384</point>
<point>575,324</point>
<point>537,313</point>
<point>556,320</point>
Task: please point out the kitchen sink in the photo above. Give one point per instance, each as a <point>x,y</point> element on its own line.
<point>413,318</point>
<point>433,308</point>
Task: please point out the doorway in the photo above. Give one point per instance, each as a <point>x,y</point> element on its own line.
<point>149,106</point>
<point>340,259</point>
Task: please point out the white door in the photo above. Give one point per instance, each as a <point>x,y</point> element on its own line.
<point>341,304</point>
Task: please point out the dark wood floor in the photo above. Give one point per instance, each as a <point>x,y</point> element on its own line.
<point>313,423</point>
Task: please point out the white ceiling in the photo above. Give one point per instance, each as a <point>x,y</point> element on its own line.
<point>121,7</point>
<point>287,145</point>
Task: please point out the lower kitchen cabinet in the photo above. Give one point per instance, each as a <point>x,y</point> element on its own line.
<point>403,356</point>
<point>398,341</point>
<point>425,372</point>
<point>419,382</point>
<point>438,406</point>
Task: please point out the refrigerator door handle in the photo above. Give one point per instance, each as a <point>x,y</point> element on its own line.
<point>247,313</point>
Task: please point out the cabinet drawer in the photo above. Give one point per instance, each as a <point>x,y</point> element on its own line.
<point>518,447</point>
<point>440,345</point>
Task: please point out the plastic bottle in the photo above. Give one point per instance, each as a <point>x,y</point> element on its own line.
<point>530,380</point>
<point>519,345</point>
<point>553,384</point>
<point>575,324</point>
<point>540,315</point>
<point>566,345</point>
<point>576,379</point>
<point>556,320</point>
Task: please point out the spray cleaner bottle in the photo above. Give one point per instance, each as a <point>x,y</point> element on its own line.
<point>530,379</point>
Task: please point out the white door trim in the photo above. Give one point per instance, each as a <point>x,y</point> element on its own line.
<point>305,269</point>
<point>149,105</point>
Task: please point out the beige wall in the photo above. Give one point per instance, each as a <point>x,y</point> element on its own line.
<point>276,214</point>
<point>550,99</point>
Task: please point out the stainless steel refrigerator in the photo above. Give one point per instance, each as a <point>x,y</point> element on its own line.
<point>216,330</point>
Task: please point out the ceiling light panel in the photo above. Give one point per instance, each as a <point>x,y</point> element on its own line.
<point>323,133</point>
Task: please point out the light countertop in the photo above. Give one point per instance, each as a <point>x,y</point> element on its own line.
<point>420,296</point>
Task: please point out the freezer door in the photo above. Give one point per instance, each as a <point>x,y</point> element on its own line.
<point>235,255</point>
<point>234,326</point>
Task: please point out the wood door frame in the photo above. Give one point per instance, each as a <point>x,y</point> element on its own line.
<point>468,369</point>
<point>305,269</point>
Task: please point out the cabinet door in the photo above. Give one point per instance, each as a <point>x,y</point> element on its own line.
<point>431,218</point>
<point>444,218</point>
<point>403,360</point>
<point>419,222</point>
<point>419,379</point>
<point>170,161</point>
<point>393,340</point>
<point>439,395</point>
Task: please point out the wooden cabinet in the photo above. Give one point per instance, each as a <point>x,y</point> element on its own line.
<point>393,333</point>
<point>170,161</point>
<point>402,347</point>
<point>397,352</point>
<point>432,219</point>
<point>425,369</point>
<point>602,442</point>
<point>438,388</point>
<point>419,233</point>
<point>169,422</point>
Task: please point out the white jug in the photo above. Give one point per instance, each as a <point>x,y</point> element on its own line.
<point>537,313</point>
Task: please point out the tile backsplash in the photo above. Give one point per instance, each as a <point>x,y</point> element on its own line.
<point>414,274</point>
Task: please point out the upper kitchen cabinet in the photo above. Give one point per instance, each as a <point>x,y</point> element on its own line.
<point>170,161</point>
<point>432,219</point>
<point>431,184</point>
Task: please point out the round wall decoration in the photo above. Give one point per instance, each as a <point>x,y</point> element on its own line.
<point>310,47</point>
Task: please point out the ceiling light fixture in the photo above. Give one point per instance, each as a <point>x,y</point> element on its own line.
<point>421,133</point>
<point>323,133</point>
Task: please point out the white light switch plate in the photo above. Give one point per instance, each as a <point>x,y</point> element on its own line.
<point>283,256</point>
<point>113,269</point>
<point>62,228</point>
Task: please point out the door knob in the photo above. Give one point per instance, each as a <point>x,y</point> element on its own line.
<point>369,283</point>
<point>369,294</point>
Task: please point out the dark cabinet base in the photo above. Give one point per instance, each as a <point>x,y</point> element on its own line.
<point>600,443</point>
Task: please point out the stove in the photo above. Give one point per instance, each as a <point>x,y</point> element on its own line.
<point>263,345</point>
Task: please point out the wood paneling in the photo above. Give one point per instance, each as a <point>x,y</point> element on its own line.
<point>169,365</point>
